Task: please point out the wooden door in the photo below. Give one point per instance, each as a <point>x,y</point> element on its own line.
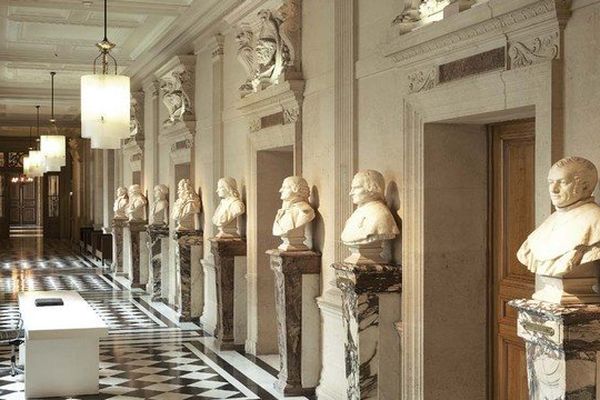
<point>512,219</point>
<point>51,203</point>
<point>23,201</point>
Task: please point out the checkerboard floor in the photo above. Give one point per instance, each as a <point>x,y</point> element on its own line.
<point>146,355</point>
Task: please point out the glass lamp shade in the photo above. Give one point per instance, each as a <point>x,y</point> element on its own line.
<point>53,148</point>
<point>105,142</point>
<point>105,102</point>
<point>36,163</point>
<point>26,165</point>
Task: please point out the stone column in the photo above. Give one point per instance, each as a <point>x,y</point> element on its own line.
<point>135,227</point>
<point>185,240</point>
<point>224,251</point>
<point>117,235</point>
<point>362,287</point>
<point>562,345</point>
<point>154,242</point>
<point>297,284</point>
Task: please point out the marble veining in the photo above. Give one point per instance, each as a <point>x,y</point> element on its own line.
<point>118,225</point>
<point>361,285</point>
<point>154,242</point>
<point>135,227</point>
<point>185,241</point>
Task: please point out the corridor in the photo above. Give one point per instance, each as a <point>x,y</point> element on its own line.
<point>147,355</point>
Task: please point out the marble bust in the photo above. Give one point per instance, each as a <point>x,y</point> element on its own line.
<point>160,207</point>
<point>295,213</point>
<point>571,235</point>
<point>186,207</point>
<point>372,221</point>
<point>136,208</point>
<point>120,204</point>
<point>229,209</point>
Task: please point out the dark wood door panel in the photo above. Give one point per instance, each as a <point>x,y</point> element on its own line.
<point>512,219</point>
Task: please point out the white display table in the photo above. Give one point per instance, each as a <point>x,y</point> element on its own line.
<point>61,345</point>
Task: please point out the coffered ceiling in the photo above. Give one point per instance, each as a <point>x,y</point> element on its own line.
<point>39,36</point>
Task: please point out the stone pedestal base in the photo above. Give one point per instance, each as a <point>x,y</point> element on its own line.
<point>297,281</point>
<point>135,227</point>
<point>562,345</point>
<point>579,286</point>
<point>154,241</point>
<point>185,240</point>
<point>117,252</point>
<point>362,288</point>
<point>224,251</point>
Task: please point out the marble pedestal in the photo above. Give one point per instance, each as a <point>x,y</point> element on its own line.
<point>135,227</point>
<point>362,288</point>
<point>297,281</point>
<point>224,251</point>
<point>185,240</point>
<point>562,347</point>
<point>118,225</point>
<point>154,241</point>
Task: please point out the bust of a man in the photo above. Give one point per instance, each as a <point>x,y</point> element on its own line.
<point>229,209</point>
<point>136,209</point>
<point>372,220</point>
<point>294,214</point>
<point>186,207</point>
<point>160,207</point>
<point>571,235</point>
<point>120,204</point>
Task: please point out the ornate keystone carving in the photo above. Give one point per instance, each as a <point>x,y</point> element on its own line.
<point>291,115</point>
<point>523,54</point>
<point>273,49</point>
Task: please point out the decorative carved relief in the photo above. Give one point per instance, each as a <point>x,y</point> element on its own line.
<point>523,54</point>
<point>177,88</point>
<point>291,115</point>
<point>254,125</point>
<point>74,148</point>
<point>421,12</point>
<point>136,115</point>
<point>422,80</point>
<point>272,50</point>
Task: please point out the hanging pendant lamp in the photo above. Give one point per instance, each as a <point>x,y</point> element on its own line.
<point>36,160</point>
<point>53,146</point>
<point>105,100</point>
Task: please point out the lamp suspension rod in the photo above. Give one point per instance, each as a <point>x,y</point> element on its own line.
<point>105,14</point>
<point>38,120</point>
<point>52,98</point>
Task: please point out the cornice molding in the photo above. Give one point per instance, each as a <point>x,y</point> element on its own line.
<point>179,40</point>
<point>511,15</point>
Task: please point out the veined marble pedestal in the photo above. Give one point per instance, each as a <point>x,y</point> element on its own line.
<point>224,251</point>
<point>185,240</point>
<point>297,285</point>
<point>562,347</point>
<point>155,235</point>
<point>117,234</point>
<point>135,227</point>
<point>367,324</point>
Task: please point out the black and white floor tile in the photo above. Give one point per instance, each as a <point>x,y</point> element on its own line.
<point>147,355</point>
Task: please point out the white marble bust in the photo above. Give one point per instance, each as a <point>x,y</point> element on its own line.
<point>571,235</point>
<point>160,206</point>
<point>136,208</point>
<point>372,222</point>
<point>295,213</point>
<point>187,207</point>
<point>120,204</point>
<point>229,209</point>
